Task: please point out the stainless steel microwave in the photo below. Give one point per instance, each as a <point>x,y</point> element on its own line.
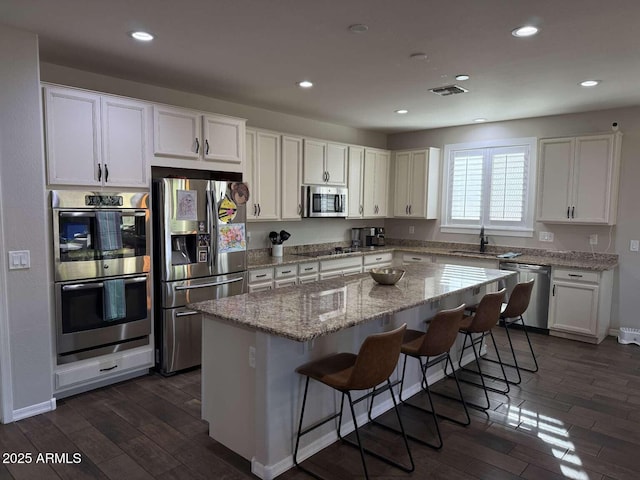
<point>323,201</point>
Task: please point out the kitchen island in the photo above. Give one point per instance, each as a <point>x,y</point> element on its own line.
<point>252,343</point>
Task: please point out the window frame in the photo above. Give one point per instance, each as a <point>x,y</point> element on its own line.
<point>527,228</point>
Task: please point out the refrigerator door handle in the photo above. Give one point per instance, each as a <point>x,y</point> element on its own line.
<point>213,227</point>
<point>187,313</point>
<point>213,284</point>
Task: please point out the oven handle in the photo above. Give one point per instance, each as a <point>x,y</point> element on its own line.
<point>87,286</point>
<point>214,284</point>
<point>187,313</point>
<point>137,213</point>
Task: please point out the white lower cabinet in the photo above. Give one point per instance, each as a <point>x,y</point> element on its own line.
<point>377,260</point>
<point>87,371</point>
<point>340,267</point>
<point>580,304</point>
<point>261,279</point>
<point>286,276</point>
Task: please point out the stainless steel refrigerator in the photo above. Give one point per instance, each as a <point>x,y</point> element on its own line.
<point>199,254</point>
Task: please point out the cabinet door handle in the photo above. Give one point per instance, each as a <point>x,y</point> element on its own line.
<point>416,258</point>
<point>108,369</point>
<point>299,209</point>
<point>286,271</point>
<point>568,211</point>
<point>361,209</point>
<point>197,145</point>
<point>575,275</point>
<point>206,146</point>
<point>554,291</point>
<point>259,210</point>
<point>308,268</point>
<point>99,173</point>
<point>328,176</point>
<point>106,173</point>
<point>378,259</point>
<point>409,209</point>
<point>573,211</point>
<point>255,210</point>
<point>406,209</point>
<point>261,276</point>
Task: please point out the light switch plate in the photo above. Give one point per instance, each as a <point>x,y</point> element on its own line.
<point>593,239</point>
<point>19,259</point>
<point>634,245</point>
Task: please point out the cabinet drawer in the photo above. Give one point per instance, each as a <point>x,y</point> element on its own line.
<point>260,275</point>
<point>287,282</point>
<point>307,279</point>
<point>286,271</point>
<point>576,275</point>
<point>260,287</point>
<point>340,263</point>
<point>308,268</point>
<point>378,258</point>
<point>95,369</point>
<point>416,258</point>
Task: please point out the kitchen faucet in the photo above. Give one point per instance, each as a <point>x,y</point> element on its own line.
<point>483,240</point>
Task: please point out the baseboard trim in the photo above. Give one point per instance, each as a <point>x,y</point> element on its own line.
<point>33,410</point>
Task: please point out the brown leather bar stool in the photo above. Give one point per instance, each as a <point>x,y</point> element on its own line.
<point>434,345</point>
<point>486,316</point>
<point>345,372</point>
<point>512,314</point>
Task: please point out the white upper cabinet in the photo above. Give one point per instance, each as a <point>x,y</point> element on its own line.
<point>263,175</point>
<point>417,182</point>
<point>376,183</point>
<point>324,163</point>
<point>95,140</point>
<point>182,133</point>
<point>291,204</point>
<point>578,179</point>
<point>356,182</point>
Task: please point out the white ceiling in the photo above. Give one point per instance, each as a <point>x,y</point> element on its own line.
<point>254,51</point>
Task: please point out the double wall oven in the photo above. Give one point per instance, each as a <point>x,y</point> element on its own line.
<point>101,272</point>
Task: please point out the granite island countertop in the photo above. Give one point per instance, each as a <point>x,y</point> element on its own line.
<point>304,312</point>
<point>580,260</point>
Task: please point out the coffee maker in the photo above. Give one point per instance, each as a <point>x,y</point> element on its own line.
<point>372,236</point>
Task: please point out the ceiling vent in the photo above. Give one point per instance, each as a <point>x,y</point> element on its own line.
<point>448,90</point>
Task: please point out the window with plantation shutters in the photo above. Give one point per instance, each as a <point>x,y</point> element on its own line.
<point>490,184</point>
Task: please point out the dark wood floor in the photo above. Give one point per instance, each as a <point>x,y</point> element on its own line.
<point>578,418</point>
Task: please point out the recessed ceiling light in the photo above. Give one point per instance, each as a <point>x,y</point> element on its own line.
<point>479,120</point>
<point>590,83</point>
<point>524,31</point>
<point>142,36</point>
<point>462,77</point>
<point>358,28</point>
<point>402,111</point>
<point>305,84</point>
<point>418,56</point>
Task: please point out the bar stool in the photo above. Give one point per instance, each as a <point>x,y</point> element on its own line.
<point>511,314</point>
<point>486,316</point>
<point>434,346</point>
<point>345,372</point>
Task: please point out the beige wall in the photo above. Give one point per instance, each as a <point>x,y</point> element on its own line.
<point>567,237</point>
<point>24,219</point>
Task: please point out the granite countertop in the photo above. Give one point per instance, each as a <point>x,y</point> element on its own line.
<point>304,312</point>
<point>581,260</point>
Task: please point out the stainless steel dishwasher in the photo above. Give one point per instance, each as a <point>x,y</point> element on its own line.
<point>537,313</point>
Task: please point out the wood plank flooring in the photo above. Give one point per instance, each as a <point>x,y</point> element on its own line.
<point>577,418</point>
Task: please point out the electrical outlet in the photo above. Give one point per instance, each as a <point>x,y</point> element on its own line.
<point>634,246</point>
<point>545,236</point>
<point>412,229</point>
<point>593,239</point>
<point>252,357</point>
